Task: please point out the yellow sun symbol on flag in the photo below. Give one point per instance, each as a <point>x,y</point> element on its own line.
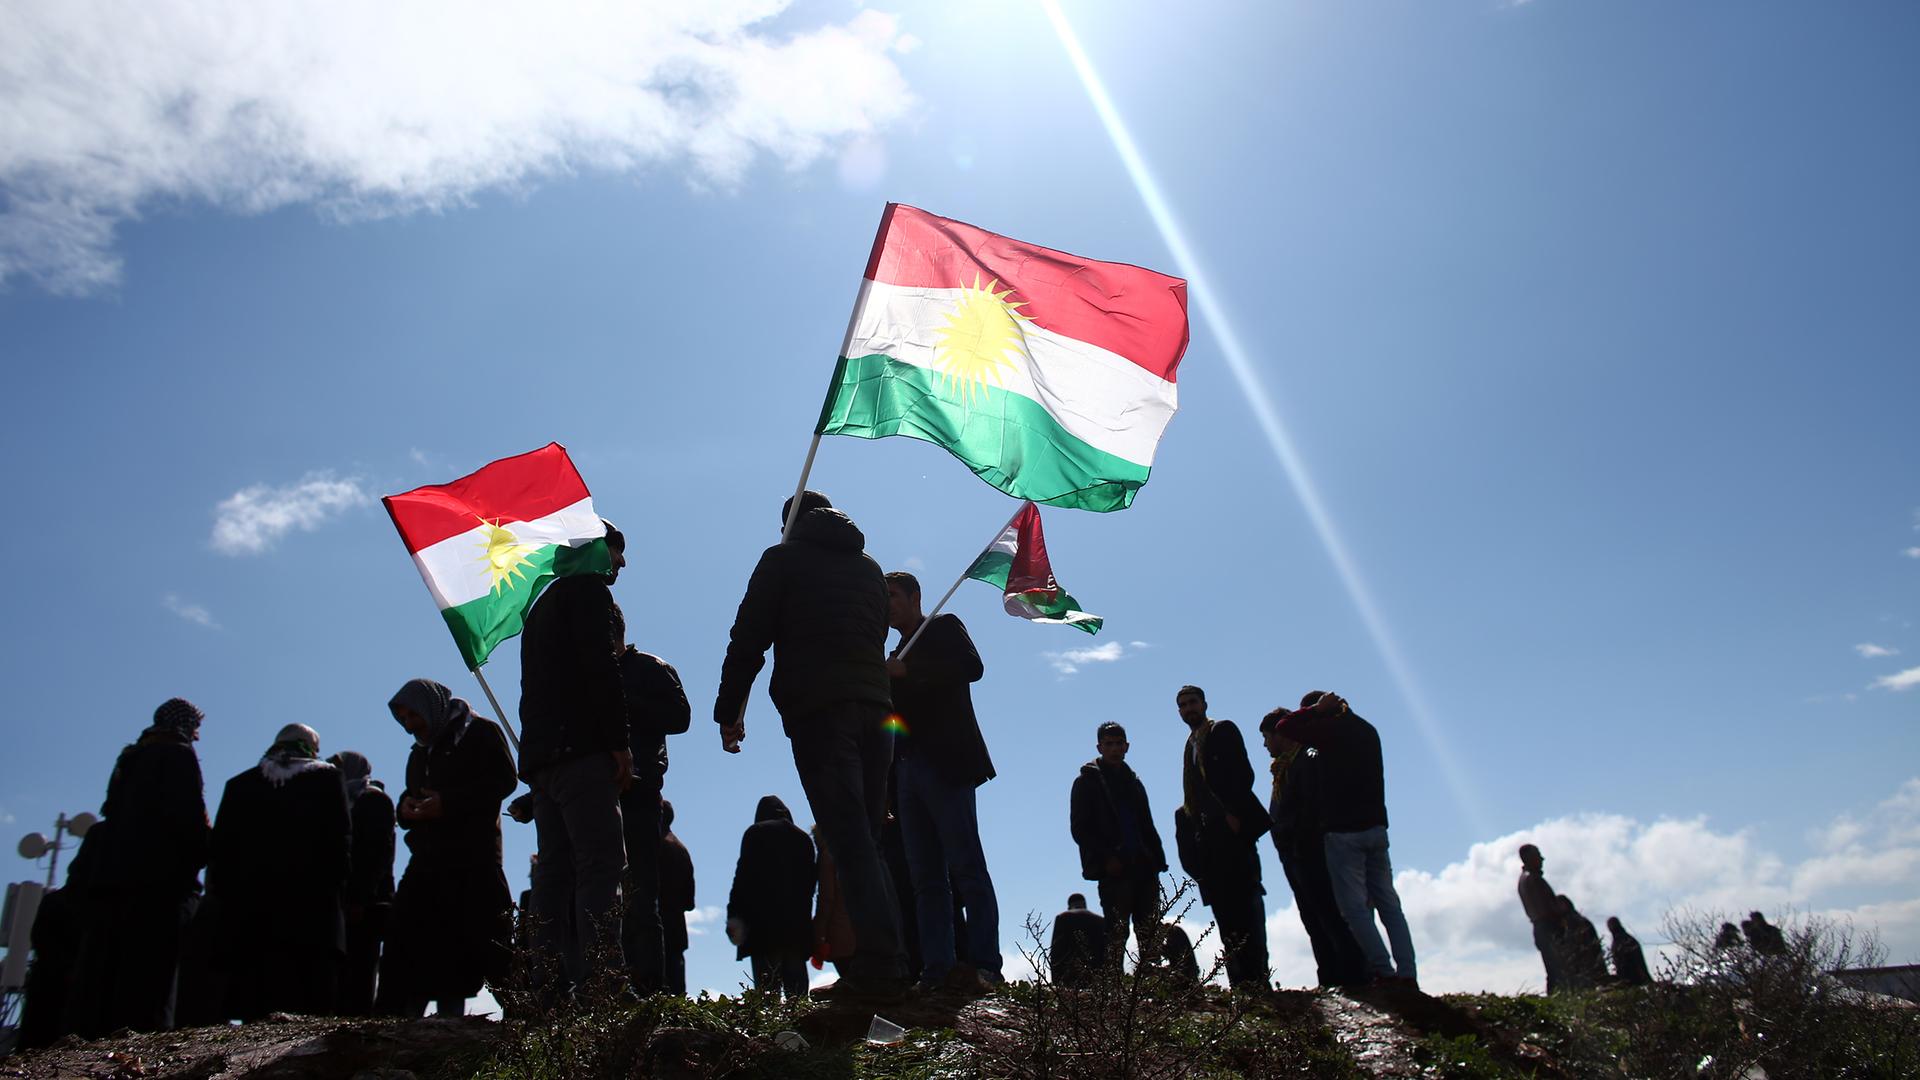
<point>972,348</point>
<point>506,557</point>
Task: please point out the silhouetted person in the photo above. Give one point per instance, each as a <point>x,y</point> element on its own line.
<point>1586,965</point>
<point>1728,938</point>
<point>1299,837</point>
<point>1355,810</point>
<point>145,882</point>
<point>453,914</point>
<point>1766,938</point>
<point>770,910</point>
<point>676,899</point>
<point>1079,946</point>
<point>1543,911</point>
<point>820,602</point>
<point>53,978</point>
<point>369,898</point>
<point>1629,962</point>
<point>1219,826</point>
<point>1175,956</point>
<point>575,755</point>
<point>656,708</point>
<point>1120,850</point>
<point>940,760</point>
<point>278,865</point>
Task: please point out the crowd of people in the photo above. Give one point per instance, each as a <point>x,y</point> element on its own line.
<point>300,912</point>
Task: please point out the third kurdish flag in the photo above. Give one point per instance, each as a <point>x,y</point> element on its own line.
<point>1016,563</point>
<point>1050,375</point>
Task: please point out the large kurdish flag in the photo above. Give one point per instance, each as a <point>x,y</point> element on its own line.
<point>487,543</point>
<point>1016,563</point>
<point>1050,375</point>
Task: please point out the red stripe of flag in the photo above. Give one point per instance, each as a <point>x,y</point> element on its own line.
<point>1031,570</point>
<point>1127,310</point>
<point>525,487</point>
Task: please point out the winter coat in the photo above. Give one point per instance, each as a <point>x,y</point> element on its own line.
<point>1353,778</point>
<point>1295,807</point>
<point>571,700</point>
<point>1629,961</point>
<point>155,799</point>
<point>1214,767</point>
<point>820,602</point>
<point>773,884</point>
<point>1099,795</point>
<point>1078,948</point>
<point>656,708</point>
<point>676,889</point>
<point>279,860</point>
<point>936,703</point>
<point>472,769</point>
<point>370,879</point>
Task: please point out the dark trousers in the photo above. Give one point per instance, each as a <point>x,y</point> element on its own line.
<point>780,972</point>
<point>641,939</point>
<point>1242,919</point>
<point>365,931</point>
<point>284,977</point>
<point>1133,899</point>
<point>129,954</point>
<point>842,753</point>
<point>1548,942</point>
<point>1336,956</point>
<point>673,925</point>
<point>576,882</point>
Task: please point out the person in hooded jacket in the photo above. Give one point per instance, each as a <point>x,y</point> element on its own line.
<point>770,910</point>
<point>1629,960</point>
<point>369,896</point>
<point>676,899</point>
<point>145,882</point>
<point>1120,849</point>
<point>278,864</point>
<point>820,602</point>
<point>656,708</point>
<point>453,915</point>
<point>1586,965</point>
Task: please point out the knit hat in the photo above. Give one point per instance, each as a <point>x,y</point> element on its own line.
<point>178,714</point>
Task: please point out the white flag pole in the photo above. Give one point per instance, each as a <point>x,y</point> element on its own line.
<point>846,342</point>
<point>499,714</point>
<point>951,589</point>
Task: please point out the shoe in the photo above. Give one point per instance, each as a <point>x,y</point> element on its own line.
<point>965,979</point>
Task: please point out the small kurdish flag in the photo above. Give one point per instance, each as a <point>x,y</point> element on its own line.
<point>1050,375</point>
<point>487,543</point>
<point>1016,563</point>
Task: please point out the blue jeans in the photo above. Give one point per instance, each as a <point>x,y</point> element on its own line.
<point>942,833</point>
<point>576,883</point>
<point>1362,885</point>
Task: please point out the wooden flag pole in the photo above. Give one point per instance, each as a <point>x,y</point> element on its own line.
<point>951,589</point>
<point>498,713</point>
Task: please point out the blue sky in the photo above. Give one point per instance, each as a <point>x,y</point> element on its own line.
<point>1591,325</point>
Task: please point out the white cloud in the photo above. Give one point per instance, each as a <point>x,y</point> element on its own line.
<point>1899,680</point>
<point>1912,553</point>
<point>1070,661</point>
<point>364,108</point>
<point>1872,651</point>
<point>251,520</point>
<point>193,613</point>
<point>699,919</point>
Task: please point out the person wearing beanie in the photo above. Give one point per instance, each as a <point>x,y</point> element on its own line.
<point>278,867</point>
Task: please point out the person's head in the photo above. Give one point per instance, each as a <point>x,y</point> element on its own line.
<point>1110,740</point>
<point>1276,743</point>
<point>772,809</point>
<point>1757,917</point>
<point>616,547</point>
<point>1530,858</point>
<point>903,601</point>
<point>809,500</point>
<point>299,738</point>
<point>426,709</point>
<point>1614,925</point>
<point>179,715</point>
<point>1076,902</point>
<point>1192,703</point>
<point>1311,698</point>
<point>353,765</point>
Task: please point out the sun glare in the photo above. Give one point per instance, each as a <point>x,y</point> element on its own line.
<point>506,557</point>
<point>980,333</point>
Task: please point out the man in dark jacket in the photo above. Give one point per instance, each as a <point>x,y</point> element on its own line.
<point>1586,965</point>
<point>453,915</point>
<point>1300,840</point>
<point>1538,900</point>
<point>1219,827</point>
<point>770,910</point>
<point>821,602</point>
<point>656,708</point>
<point>145,882</point>
<point>1079,945</point>
<point>369,896</point>
<point>576,756</point>
<point>1120,849</point>
<point>940,760</point>
<point>278,865</point>
<point>1629,961</point>
<point>676,899</point>
<point>1356,820</point>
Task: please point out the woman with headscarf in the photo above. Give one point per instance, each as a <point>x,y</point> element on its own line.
<point>452,924</point>
<point>770,911</point>
<point>278,867</point>
<point>370,882</point>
